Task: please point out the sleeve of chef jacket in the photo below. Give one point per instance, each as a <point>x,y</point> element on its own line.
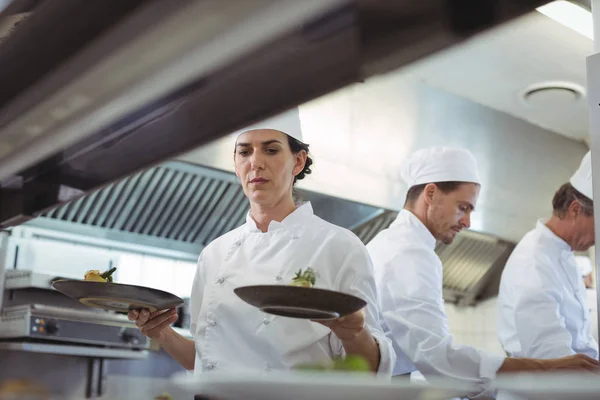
<point>357,277</point>
<point>412,307</point>
<point>540,326</point>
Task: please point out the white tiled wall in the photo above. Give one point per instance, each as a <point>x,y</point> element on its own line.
<point>475,326</point>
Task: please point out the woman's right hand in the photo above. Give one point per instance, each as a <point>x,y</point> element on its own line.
<point>155,325</point>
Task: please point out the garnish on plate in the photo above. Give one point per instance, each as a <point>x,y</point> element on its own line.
<point>305,278</point>
<point>94,275</point>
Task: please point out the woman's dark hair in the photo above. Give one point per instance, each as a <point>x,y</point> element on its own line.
<point>296,146</point>
<point>566,195</point>
<point>415,191</point>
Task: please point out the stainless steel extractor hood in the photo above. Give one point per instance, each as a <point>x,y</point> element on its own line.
<point>178,206</point>
<point>182,207</point>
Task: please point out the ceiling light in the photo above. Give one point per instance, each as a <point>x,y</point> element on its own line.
<point>570,15</point>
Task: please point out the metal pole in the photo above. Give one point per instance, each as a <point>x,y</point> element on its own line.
<point>596,24</point>
<point>593,86</point>
<point>3,261</point>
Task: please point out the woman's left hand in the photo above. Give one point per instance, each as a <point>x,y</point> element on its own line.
<point>348,327</point>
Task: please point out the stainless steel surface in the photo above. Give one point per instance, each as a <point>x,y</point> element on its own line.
<point>3,263</point>
<point>86,315</point>
<point>472,266</point>
<point>593,82</point>
<point>184,207</point>
<point>80,351</point>
<point>22,279</point>
<point>360,135</point>
<point>196,39</point>
<point>60,326</point>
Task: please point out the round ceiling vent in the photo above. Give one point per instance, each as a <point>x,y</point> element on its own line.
<point>552,94</point>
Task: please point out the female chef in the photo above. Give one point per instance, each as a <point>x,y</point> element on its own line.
<point>278,239</point>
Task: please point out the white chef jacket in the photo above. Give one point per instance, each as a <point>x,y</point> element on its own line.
<point>542,306</point>
<point>409,281</point>
<point>230,334</point>
<point>592,302</point>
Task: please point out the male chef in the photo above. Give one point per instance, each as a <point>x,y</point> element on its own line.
<point>443,189</point>
<point>542,306</point>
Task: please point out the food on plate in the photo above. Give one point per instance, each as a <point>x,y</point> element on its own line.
<point>304,279</point>
<point>94,275</point>
<point>353,363</point>
<point>164,396</point>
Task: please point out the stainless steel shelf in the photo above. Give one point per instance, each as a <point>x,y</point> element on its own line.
<point>69,350</point>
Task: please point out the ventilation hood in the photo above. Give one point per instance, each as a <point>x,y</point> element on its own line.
<point>178,206</point>
<point>182,207</point>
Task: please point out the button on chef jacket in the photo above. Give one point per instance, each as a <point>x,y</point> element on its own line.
<point>542,305</point>
<point>231,335</point>
<point>409,280</point>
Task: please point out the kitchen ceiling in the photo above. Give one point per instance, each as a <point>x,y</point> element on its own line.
<point>496,67</point>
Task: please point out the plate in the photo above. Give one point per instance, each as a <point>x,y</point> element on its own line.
<point>548,386</point>
<point>116,296</point>
<point>300,302</point>
<point>294,385</point>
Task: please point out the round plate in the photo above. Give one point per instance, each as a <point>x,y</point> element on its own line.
<point>295,385</point>
<point>300,302</point>
<point>117,297</point>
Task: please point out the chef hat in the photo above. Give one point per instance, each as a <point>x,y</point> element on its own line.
<point>584,265</point>
<point>440,164</point>
<point>287,122</point>
<point>582,178</point>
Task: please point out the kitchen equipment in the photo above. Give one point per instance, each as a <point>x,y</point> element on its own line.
<point>34,316</point>
<point>300,302</point>
<point>42,323</point>
<point>307,385</point>
<point>117,297</point>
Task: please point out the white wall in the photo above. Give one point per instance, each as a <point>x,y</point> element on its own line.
<point>475,326</point>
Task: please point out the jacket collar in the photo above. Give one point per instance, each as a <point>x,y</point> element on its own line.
<point>407,217</point>
<point>551,236</point>
<point>297,218</point>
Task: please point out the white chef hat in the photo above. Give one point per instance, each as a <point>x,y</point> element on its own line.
<point>582,178</point>
<point>584,265</point>
<point>440,164</point>
<point>287,122</point>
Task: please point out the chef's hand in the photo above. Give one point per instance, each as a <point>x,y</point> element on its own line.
<point>348,327</point>
<point>357,340</point>
<point>575,362</point>
<point>156,325</point>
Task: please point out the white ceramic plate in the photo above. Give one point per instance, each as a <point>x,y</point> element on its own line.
<point>548,386</point>
<point>308,385</point>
